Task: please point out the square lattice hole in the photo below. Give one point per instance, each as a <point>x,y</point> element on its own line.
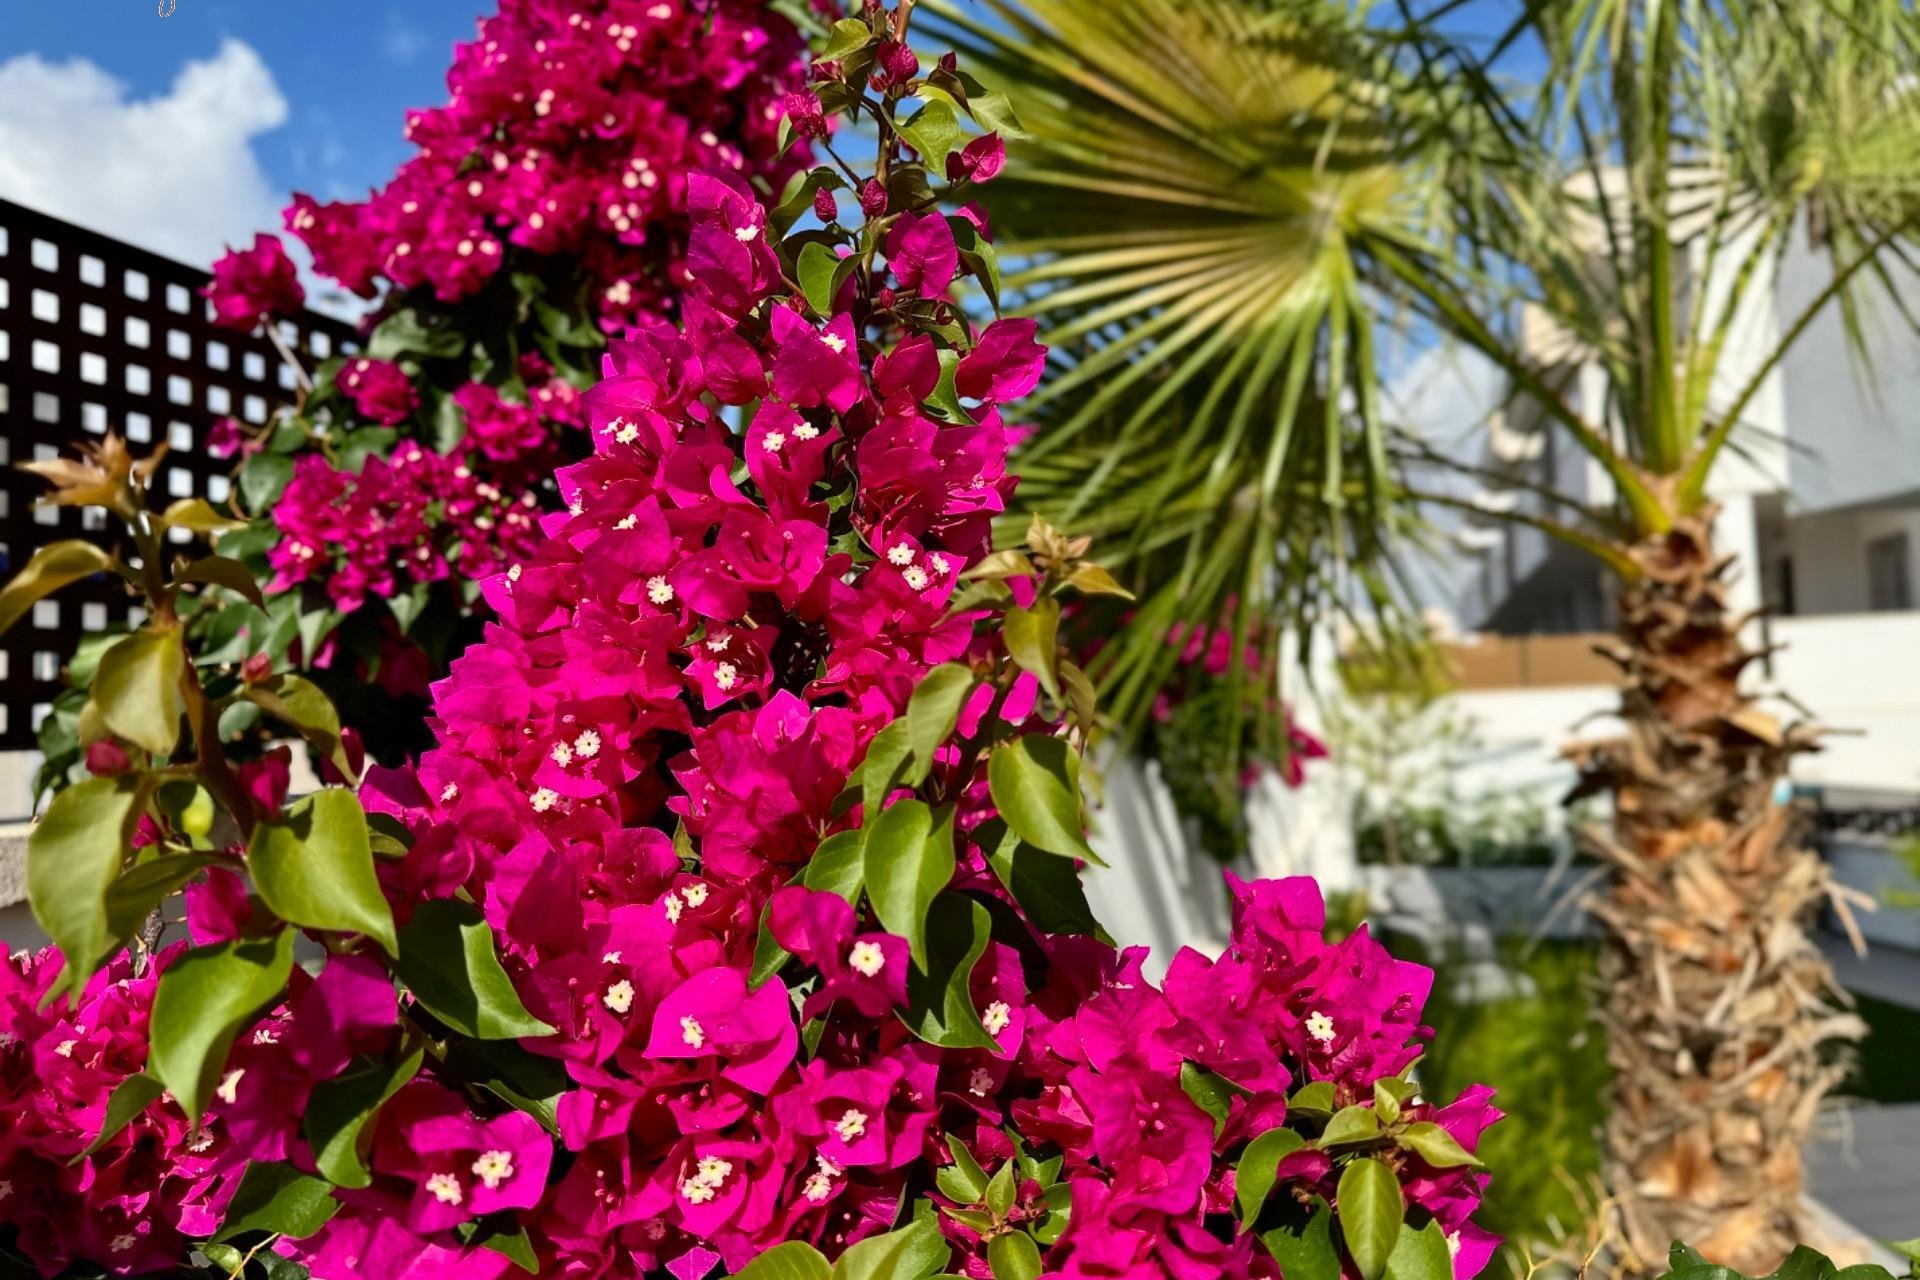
<point>139,332</point>
<point>46,255</point>
<point>139,427</point>
<point>46,356</point>
<point>93,320</point>
<point>136,286</point>
<point>179,301</point>
<point>46,307</point>
<point>139,380</point>
<point>179,345</point>
<point>93,368</point>
<point>179,437</point>
<point>92,270</point>
<point>219,400</point>
<point>218,355</point>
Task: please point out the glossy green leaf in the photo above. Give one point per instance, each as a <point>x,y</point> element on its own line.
<point>1212,1092</point>
<point>73,857</point>
<point>447,959</point>
<point>908,859</point>
<point>313,866</point>
<point>1315,1099</point>
<point>912,1252</point>
<point>1436,1146</point>
<point>48,569</point>
<point>405,333</point>
<point>130,1097</point>
<point>144,886</point>
<point>1351,1124</point>
<point>888,756</point>
<point>1254,1176</point>
<point>203,1000</point>
<point>838,866</point>
<point>934,131</point>
<point>137,688</point>
<point>504,1234</point>
<point>299,703</point>
<point>1013,1256</point>
<point>220,571</point>
<point>1306,1251</point>
<point>198,516</point>
<point>939,1002</point>
<point>1059,1201</point>
<point>1033,641</point>
<point>525,1081</point>
<point>1001,1190</point>
<point>340,1111</point>
<point>262,479</point>
<point>278,1198</point>
<point>1370,1207</point>
<point>1035,783</point>
<point>794,1260</point>
<point>849,35</point>
<point>1421,1255</point>
<point>963,1181</point>
<point>814,270</point>
<point>1048,889</point>
<point>934,709</point>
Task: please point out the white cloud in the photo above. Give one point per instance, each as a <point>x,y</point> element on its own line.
<point>175,173</point>
<point>400,40</point>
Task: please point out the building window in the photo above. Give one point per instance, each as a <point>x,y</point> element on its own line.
<point>1889,585</point>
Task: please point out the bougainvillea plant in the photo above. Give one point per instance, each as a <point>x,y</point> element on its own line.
<point>733,927</point>
<point>545,207</point>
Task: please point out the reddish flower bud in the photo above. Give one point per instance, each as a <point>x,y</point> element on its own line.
<point>107,758</point>
<point>257,669</point>
<point>873,198</point>
<point>824,207</point>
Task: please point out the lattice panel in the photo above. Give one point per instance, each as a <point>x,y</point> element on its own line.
<point>96,334</point>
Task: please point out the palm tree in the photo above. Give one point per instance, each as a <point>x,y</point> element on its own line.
<point>1224,209</point>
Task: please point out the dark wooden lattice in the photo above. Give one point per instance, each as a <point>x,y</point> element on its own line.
<point>97,335</point>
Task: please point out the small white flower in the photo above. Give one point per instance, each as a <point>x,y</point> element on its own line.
<point>587,745</point>
<point>694,1191</point>
<point>660,12</point>
<point>123,1242</point>
<point>940,565</point>
<point>544,799</point>
<point>513,574</point>
<point>626,522</point>
<point>725,676</point>
<point>805,431</point>
<point>718,642</point>
<point>619,996</point>
<point>714,1170</point>
<point>773,441</point>
<point>817,1187</point>
<point>266,1035</point>
<point>835,343</point>
<point>6,1188</point>
<point>562,754</point>
<point>65,1048</point>
<point>996,1018</point>
<point>229,1090</point>
<point>900,553</point>
<point>659,590</point>
<point>916,577</point>
<point>979,1082</point>
<point>745,234</point>
<point>449,792</point>
<point>867,958</point>
<point>1320,1027</point>
<point>851,1124</point>
<point>673,905</point>
<point>692,1034</point>
<point>493,1168</point>
<point>695,894</point>
<point>445,1188</point>
<point>612,957</point>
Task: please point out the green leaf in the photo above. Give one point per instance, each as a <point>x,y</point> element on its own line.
<point>939,1002</point>
<point>1351,1124</point>
<point>504,1235</point>
<point>137,688</point>
<point>299,703</point>
<point>198,516</point>
<point>1092,580</point>
<point>1000,1190</point>
<point>145,886</point>
<point>1059,1200</point>
<point>909,859</point>
<point>223,572</point>
<point>1306,1252</point>
<point>313,866</point>
<point>1035,783</point>
<point>447,959</point>
<point>1908,1249</point>
<point>815,270</point>
<point>1048,889</point>
<point>1254,1176</point>
<point>968,1179</point>
<point>838,866</point>
<point>1421,1255</point>
<point>525,1081</point>
<point>1436,1146</point>
<point>887,758</point>
<point>130,1097</point>
<point>1315,1099</point>
<point>340,1111</point>
<point>405,333</point>
<point>849,35</point>
<point>73,855</point>
<point>794,1260</point>
<point>1212,1092</point>
<point>1013,1256</point>
<point>1033,641</point>
<point>262,479</point>
<point>1805,1264</point>
<point>203,1000</point>
<point>934,131</point>
<point>995,114</point>
<point>1370,1208</point>
<point>913,1252</point>
<point>934,709</point>
<point>279,1198</point>
<point>49,569</point>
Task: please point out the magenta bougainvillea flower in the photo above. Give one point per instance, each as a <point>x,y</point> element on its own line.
<point>250,284</point>
<point>660,807</point>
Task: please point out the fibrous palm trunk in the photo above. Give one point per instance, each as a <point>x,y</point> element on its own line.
<point>1724,1025</point>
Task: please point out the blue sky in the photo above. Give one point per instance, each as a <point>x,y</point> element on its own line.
<point>188,131</point>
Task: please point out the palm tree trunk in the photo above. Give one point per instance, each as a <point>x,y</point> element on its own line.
<point>1725,1027</point>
